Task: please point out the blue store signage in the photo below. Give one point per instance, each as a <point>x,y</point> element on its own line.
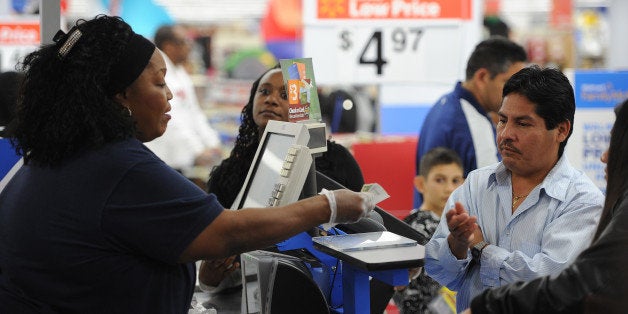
<point>600,89</point>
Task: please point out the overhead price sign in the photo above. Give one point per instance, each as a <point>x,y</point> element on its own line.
<point>374,41</point>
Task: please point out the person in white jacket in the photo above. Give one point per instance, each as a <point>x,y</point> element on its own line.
<point>189,142</point>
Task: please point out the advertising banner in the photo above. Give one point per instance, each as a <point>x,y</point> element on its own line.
<point>298,77</point>
<point>597,93</point>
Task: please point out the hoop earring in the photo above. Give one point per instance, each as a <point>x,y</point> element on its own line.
<point>129,111</point>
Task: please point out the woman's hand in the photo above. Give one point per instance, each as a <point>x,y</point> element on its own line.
<point>347,206</point>
<point>212,272</point>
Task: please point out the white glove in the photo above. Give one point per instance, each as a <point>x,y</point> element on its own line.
<point>367,204</point>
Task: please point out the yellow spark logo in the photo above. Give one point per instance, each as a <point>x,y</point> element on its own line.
<point>332,8</point>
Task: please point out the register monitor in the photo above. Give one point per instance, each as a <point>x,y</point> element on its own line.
<point>279,168</point>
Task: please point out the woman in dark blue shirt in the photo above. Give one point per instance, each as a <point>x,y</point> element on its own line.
<point>94,222</point>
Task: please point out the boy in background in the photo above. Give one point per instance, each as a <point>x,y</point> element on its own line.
<point>440,173</point>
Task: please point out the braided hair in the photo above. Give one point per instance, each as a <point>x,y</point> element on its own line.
<point>226,179</point>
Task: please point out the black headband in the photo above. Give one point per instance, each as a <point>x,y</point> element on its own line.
<point>132,62</point>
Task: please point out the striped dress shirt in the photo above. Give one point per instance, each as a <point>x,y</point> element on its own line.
<point>554,223</point>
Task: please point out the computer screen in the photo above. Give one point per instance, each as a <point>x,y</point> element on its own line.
<point>270,162</point>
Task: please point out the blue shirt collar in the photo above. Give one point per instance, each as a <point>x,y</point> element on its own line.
<point>465,94</point>
<point>553,184</point>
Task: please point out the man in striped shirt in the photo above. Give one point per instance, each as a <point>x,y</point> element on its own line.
<point>528,215</point>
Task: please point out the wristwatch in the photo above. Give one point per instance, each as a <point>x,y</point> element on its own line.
<point>476,251</point>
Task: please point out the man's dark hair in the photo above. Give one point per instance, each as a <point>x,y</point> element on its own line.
<point>438,156</point>
<point>495,54</point>
<point>550,91</point>
<point>164,34</point>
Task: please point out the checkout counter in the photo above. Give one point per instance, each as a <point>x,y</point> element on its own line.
<point>323,270</point>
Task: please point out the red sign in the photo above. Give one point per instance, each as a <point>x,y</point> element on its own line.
<point>561,13</point>
<point>394,9</point>
<point>491,7</point>
<point>19,33</point>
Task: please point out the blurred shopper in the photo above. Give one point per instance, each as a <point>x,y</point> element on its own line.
<point>189,141</point>
<point>527,216</point>
<point>597,281</point>
<point>495,26</point>
<point>460,120</point>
